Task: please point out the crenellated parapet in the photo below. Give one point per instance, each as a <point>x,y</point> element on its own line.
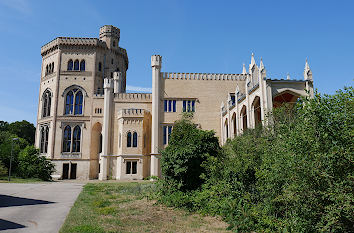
<point>132,97</point>
<point>132,112</point>
<point>204,76</point>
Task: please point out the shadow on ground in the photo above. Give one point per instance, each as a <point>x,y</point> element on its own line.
<point>8,201</point>
<point>7,225</point>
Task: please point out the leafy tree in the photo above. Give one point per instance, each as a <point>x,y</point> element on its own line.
<point>32,165</point>
<point>23,129</point>
<point>4,126</point>
<point>6,143</point>
<point>188,148</point>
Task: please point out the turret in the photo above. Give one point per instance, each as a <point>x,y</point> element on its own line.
<point>110,35</point>
<point>117,82</point>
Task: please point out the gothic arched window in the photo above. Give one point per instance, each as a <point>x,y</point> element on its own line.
<point>52,67</point>
<point>67,139</point>
<point>76,139</point>
<point>46,70</point>
<point>44,139</point>
<point>129,139</point>
<point>70,64</point>
<point>46,100</point>
<point>76,65</point>
<point>74,102</point>
<point>135,139</point>
<point>82,65</point>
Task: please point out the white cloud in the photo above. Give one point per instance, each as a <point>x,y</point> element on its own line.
<point>138,89</point>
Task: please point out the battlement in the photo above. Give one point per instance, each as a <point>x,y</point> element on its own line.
<point>107,83</point>
<point>156,60</point>
<point>77,41</point>
<point>109,30</point>
<point>203,76</point>
<point>132,112</point>
<point>133,96</point>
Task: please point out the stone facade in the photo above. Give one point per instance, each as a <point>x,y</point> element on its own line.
<point>91,128</point>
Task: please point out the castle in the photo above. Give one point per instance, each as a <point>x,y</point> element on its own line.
<point>90,128</point>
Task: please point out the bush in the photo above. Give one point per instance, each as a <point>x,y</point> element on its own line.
<point>32,165</point>
<point>188,148</point>
<point>295,175</point>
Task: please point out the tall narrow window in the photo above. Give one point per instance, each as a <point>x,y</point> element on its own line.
<point>76,139</point>
<point>135,139</point>
<point>69,102</point>
<point>67,139</point>
<point>184,105</point>
<point>134,167</point>
<point>99,66</point>
<point>70,64</point>
<point>165,105</point>
<point>170,105</point>
<point>129,139</point>
<point>74,102</point>
<point>128,167</point>
<point>52,67</point>
<point>82,65</point>
<point>44,139</point>
<point>166,134</point>
<point>76,65</point>
<point>47,99</point>
<point>78,103</point>
<point>46,70</point>
<point>174,105</point>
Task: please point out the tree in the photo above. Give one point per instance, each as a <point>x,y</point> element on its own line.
<point>188,148</point>
<point>23,129</point>
<point>32,165</point>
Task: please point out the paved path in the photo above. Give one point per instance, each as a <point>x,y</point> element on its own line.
<point>38,207</point>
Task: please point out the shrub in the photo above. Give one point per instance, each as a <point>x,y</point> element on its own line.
<point>3,170</point>
<point>32,165</point>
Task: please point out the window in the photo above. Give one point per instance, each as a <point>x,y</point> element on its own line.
<point>188,105</point>
<point>114,43</point>
<point>72,140</point>
<point>70,64</point>
<point>170,105</point>
<point>67,139</point>
<point>166,134</point>
<point>46,99</point>
<point>135,139</point>
<point>76,65</point>
<point>74,99</point>
<point>44,139</point>
<point>52,67</point>
<point>129,139</point>
<point>46,70</point>
<point>49,68</point>
<point>131,167</point>
<point>82,65</point>
<point>112,61</point>
<point>76,139</point>
<point>99,66</point>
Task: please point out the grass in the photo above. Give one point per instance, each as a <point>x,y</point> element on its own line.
<point>19,180</point>
<point>123,207</point>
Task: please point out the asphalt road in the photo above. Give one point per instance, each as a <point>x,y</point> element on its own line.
<point>38,207</point>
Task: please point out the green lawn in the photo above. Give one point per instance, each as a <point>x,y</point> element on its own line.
<point>19,180</point>
<point>123,207</point>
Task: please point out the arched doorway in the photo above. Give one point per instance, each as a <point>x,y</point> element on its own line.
<point>226,129</point>
<point>95,149</point>
<point>243,116</point>
<point>257,111</point>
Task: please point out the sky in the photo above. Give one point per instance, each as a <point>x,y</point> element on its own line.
<point>191,36</point>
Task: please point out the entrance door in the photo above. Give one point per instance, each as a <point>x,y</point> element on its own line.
<point>65,171</point>
<point>73,171</point>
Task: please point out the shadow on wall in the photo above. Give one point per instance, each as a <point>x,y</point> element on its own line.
<point>8,201</point>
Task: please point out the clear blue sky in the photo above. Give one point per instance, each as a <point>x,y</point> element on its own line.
<point>192,36</point>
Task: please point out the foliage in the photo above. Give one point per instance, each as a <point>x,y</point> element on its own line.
<point>188,148</point>
<point>23,129</point>
<point>6,143</point>
<point>31,164</point>
<point>294,175</point>
<point>3,170</point>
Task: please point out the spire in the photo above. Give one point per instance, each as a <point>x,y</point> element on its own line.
<point>244,69</point>
<point>307,71</point>
<point>261,66</point>
<point>252,60</point>
<point>288,76</point>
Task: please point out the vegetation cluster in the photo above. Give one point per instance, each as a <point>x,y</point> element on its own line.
<point>294,174</point>
<point>26,160</point>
